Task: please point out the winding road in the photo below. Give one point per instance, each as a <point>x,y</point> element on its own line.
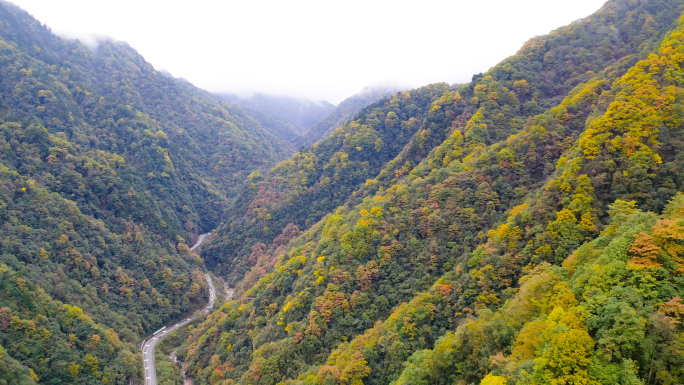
<point>148,346</point>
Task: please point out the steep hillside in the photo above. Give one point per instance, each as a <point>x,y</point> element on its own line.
<point>298,192</point>
<point>344,111</point>
<point>13,372</point>
<point>108,170</point>
<point>57,343</point>
<point>488,109</point>
<point>423,281</point>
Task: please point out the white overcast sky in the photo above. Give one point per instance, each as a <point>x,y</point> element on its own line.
<point>315,49</point>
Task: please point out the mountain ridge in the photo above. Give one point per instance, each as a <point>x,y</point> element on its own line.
<point>344,111</point>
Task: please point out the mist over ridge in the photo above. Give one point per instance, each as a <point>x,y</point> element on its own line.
<point>308,49</point>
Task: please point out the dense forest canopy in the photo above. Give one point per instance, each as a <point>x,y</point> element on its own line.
<point>344,111</point>
<point>526,227</point>
<point>475,255</point>
<point>108,171</point>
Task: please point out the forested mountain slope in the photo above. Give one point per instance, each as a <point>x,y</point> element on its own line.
<point>303,189</point>
<point>519,247</point>
<point>108,169</point>
<point>343,112</point>
<point>298,192</point>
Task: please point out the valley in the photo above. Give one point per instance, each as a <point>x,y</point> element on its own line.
<point>524,227</point>
<point>149,345</point>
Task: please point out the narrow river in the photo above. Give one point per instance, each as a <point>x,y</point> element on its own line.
<point>150,344</point>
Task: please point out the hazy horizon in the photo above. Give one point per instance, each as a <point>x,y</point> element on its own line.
<point>312,50</point>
